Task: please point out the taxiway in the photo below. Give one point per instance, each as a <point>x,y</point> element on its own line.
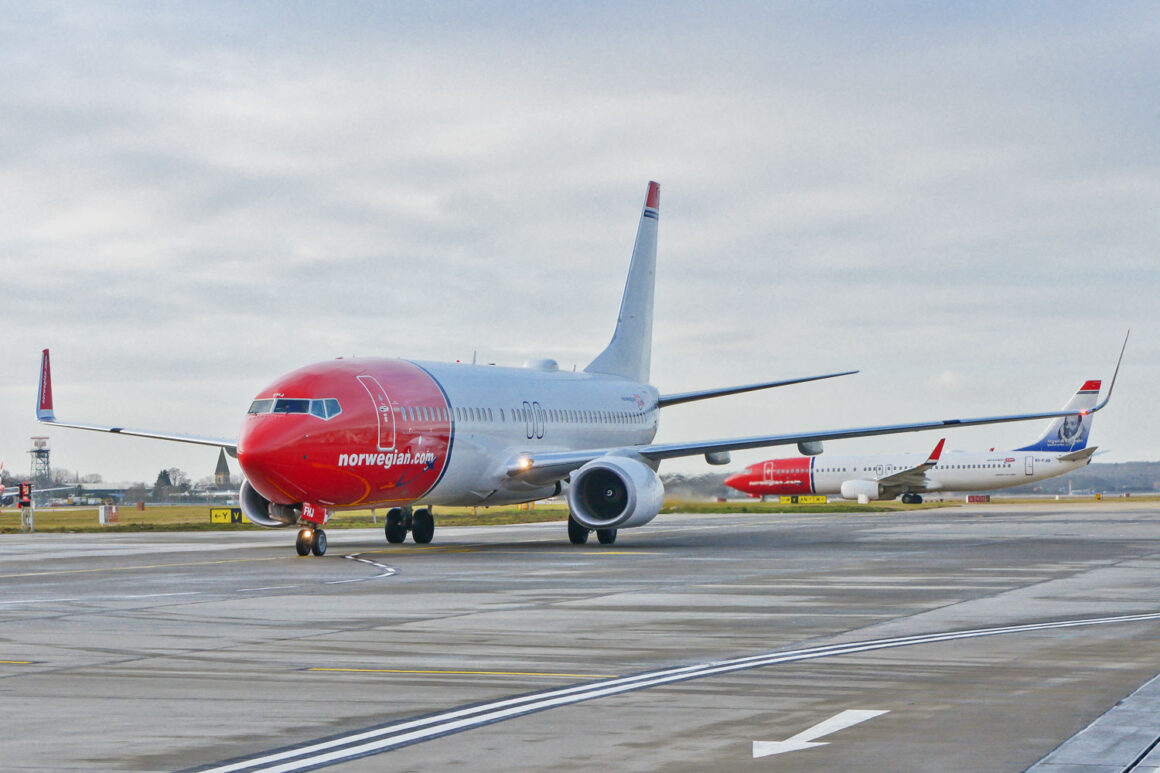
<point>968,639</point>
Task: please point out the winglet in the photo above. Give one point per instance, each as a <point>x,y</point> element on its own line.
<point>936,453</point>
<point>1115,373</point>
<point>44,399</point>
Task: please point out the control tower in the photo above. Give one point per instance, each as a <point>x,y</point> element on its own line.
<point>41,470</point>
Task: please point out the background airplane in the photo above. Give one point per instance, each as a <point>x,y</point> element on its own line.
<point>9,497</point>
<point>1060,449</point>
<point>392,433</point>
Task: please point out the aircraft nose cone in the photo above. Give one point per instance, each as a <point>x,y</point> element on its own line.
<point>734,480</point>
<point>269,450</point>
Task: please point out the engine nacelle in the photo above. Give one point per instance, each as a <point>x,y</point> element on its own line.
<point>615,492</point>
<point>261,511</point>
<point>853,489</point>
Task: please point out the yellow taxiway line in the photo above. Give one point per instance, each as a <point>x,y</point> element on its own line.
<point>142,566</point>
<point>462,673</point>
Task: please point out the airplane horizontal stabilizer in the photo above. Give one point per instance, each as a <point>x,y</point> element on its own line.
<point>704,394</point>
<point>1079,455</point>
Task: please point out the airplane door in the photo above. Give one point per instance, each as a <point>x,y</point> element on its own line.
<point>538,419</point>
<point>879,470</point>
<point>767,471</point>
<point>1029,464</point>
<point>383,413</point>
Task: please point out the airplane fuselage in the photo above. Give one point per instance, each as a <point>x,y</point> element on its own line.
<point>364,433</point>
<point>955,471</point>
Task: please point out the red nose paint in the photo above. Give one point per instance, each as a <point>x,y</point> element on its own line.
<point>776,476</point>
<point>389,444</point>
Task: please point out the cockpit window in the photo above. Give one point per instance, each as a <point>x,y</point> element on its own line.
<point>291,405</point>
<point>324,409</point>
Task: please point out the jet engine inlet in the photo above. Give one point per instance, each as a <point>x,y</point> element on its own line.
<point>259,510</point>
<point>615,492</point>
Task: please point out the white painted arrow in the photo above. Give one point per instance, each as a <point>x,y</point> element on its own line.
<point>805,739</point>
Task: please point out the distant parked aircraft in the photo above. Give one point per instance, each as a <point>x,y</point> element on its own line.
<point>1060,449</point>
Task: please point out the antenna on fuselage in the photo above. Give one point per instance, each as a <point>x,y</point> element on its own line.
<point>473,353</point>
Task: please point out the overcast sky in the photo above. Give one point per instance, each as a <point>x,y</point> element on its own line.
<point>961,200</point>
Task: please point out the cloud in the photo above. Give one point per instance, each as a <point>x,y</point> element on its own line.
<point>204,197</point>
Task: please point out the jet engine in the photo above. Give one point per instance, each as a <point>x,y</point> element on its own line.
<point>615,492</point>
<point>852,489</point>
<point>261,511</point>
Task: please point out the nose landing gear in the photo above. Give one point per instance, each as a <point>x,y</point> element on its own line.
<point>310,541</point>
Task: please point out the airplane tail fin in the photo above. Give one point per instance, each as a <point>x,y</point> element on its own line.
<point>1070,433</point>
<point>629,353</point>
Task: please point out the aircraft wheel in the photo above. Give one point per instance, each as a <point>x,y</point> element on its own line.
<point>606,536</point>
<point>916,499</point>
<point>577,534</point>
<point>395,529</point>
<point>906,499</point>
<point>318,547</point>
<point>302,544</point>
<point>422,526</point>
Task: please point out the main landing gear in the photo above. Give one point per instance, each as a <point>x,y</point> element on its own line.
<point>401,520</point>
<point>578,534</point>
<point>310,540</point>
<point>912,499</point>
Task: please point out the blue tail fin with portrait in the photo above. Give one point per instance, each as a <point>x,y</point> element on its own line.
<point>1070,433</point>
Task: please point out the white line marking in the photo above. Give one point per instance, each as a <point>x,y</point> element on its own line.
<point>154,595</point>
<point>387,737</point>
<point>805,739</point>
<point>387,571</point>
<point>37,601</point>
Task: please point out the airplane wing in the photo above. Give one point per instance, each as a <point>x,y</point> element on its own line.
<point>549,466</point>
<point>687,397</point>
<point>46,415</point>
<point>554,465</point>
<point>914,477</point>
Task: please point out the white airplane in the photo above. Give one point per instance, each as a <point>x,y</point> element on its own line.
<point>9,497</point>
<point>408,435</point>
<point>1060,449</point>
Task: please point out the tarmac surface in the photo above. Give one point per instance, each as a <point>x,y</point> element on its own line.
<point>956,639</point>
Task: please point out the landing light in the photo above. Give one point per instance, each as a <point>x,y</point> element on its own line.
<point>524,463</point>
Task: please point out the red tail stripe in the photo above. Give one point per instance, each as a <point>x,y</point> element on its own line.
<point>45,383</point>
<point>654,196</point>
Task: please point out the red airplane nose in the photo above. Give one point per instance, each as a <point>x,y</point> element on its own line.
<point>735,480</point>
<point>269,452</point>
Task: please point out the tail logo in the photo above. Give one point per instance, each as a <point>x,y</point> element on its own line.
<point>1071,430</point>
